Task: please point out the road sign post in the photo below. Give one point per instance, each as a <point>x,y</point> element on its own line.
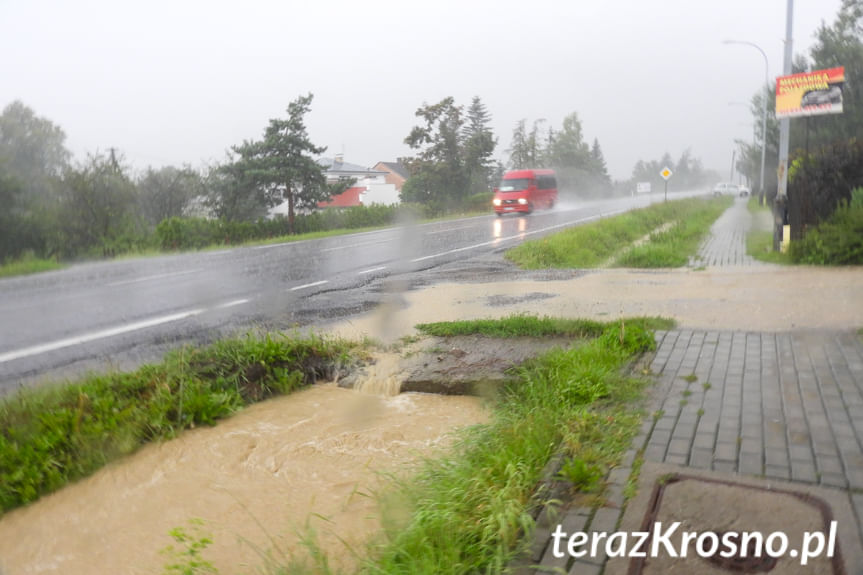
<point>666,175</point>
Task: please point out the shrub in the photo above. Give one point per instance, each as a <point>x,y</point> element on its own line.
<point>836,241</point>
<point>819,182</point>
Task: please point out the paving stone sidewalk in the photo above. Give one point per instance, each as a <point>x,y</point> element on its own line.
<point>786,406</point>
<point>726,245</point>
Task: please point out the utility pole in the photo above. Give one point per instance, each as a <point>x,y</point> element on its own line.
<point>761,192</point>
<point>781,202</point>
<point>731,173</point>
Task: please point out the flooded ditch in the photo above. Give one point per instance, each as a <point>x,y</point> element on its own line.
<point>311,458</point>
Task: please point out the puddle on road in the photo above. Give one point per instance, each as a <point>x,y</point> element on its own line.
<point>255,479</point>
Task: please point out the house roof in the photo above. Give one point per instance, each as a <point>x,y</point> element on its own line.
<point>337,167</point>
<point>348,198</point>
<point>397,168</point>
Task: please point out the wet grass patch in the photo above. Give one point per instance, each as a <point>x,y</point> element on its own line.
<point>522,325</point>
<point>594,244</point>
<point>27,265</point>
<point>53,435</point>
<point>759,245</point>
<point>673,247</point>
<point>759,240</point>
<point>471,511</point>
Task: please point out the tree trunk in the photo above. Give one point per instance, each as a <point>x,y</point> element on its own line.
<point>290,210</point>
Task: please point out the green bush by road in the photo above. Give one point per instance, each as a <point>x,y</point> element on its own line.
<point>838,240</point>
<point>611,240</point>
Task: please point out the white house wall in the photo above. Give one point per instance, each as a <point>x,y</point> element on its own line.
<point>385,194</point>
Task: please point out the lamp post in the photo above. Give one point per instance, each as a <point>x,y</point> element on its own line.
<point>763,112</point>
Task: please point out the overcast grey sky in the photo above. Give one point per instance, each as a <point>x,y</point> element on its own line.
<point>172,82</point>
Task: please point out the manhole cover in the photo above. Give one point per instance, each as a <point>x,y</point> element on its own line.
<point>747,562</point>
<point>749,516</point>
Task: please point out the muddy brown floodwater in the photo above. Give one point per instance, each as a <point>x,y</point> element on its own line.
<point>258,477</point>
<point>255,479</point>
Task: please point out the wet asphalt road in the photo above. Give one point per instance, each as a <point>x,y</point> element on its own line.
<point>122,313</point>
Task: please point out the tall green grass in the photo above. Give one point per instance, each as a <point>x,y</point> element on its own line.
<point>57,434</point>
<point>470,512</point>
<point>759,240</point>
<point>27,264</point>
<point>836,241</point>
<point>523,325</point>
<point>674,246</point>
<point>597,243</point>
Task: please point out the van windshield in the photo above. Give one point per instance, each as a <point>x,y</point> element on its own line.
<point>514,185</point>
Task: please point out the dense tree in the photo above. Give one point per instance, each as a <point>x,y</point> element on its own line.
<point>33,156</point>
<point>33,149</point>
<point>840,44</point>
<point>529,149</point>
<point>597,162</point>
<point>10,197</point>
<point>99,208</point>
<point>280,167</point>
<point>479,145</point>
<point>232,194</point>
<point>519,151</point>
<point>165,193</point>
<point>569,150</point>
<point>579,167</point>
<point>438,174</point>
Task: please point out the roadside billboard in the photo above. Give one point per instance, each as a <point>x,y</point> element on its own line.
<point>810,94</point>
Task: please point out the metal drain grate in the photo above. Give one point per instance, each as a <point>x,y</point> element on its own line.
<point>742,562</point>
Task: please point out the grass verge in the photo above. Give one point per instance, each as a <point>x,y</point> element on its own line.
<point>759,245</point>
<point>55,435</point>
<point>596,243</point>
<point>520,325</point>
<point>469,512</point>
<point>27,265</point>
<point>759,240</point>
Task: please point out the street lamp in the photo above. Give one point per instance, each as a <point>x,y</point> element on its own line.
<point>763,110</point>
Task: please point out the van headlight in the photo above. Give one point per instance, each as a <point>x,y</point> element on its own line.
<point>522,201</point>
<point>496,201</point>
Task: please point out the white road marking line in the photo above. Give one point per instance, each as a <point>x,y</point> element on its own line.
<point>377,269</point>
<point>111,332</point>
<point>154,277</point>
<point>313,284</point>
<point>517,236</point>
<point>354,246</point>
<point>268,246</point>
<point>236,302</point>
<point>88,337</point>
<point>448,230</point>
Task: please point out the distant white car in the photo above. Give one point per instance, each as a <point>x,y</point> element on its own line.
<point>743,191</point>
<point>724,188</point>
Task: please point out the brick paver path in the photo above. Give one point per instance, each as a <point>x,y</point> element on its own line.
<point>726,245</point>
<point>782,405</point>
<point>788,406</point>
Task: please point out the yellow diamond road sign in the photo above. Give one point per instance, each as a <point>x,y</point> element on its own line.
<point>665,173</point>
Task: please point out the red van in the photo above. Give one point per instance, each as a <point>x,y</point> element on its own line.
<point>524,191</point>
